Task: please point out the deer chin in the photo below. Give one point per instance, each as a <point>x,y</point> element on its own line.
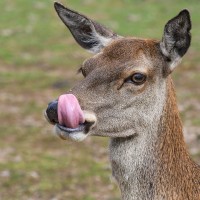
<point>76,134</point>
<point>79,133</point>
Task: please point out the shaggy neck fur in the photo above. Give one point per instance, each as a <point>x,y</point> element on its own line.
<point>154,166</point>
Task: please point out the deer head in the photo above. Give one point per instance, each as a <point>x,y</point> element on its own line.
<point>124,87</point>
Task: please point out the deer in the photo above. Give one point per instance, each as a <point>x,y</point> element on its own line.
<point>127,94</point>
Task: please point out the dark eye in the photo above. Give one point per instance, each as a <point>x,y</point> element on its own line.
<point>138,78</point>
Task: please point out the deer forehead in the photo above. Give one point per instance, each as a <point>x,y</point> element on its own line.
<point>127,54</point>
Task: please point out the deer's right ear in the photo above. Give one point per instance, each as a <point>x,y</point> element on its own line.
<point>176,39</point>
<point>88,34</point>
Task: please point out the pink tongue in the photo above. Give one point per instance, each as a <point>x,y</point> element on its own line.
<point>69,111</point>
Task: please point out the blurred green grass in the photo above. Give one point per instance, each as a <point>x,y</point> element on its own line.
<point>38,62</point>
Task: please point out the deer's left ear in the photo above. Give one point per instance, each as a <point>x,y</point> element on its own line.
<point>176,39</point>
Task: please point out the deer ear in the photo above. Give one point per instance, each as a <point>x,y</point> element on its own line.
<point>176,38</point>
<point>88,34</point>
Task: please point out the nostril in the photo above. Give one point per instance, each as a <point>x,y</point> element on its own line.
<point>51,112</point>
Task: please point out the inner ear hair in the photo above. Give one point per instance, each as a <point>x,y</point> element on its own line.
<point>176,38</point>
<point>89,34</point>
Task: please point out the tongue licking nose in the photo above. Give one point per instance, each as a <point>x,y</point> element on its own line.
<point>69,111</point>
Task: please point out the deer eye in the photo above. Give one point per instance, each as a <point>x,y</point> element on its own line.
<point>138,78</point>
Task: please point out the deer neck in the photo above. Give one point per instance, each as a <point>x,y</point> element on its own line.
<point>140,162</point>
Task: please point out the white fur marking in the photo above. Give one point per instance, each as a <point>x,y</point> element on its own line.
<point>175,62</point>
<point>77,136</point>
<point>176,59</point>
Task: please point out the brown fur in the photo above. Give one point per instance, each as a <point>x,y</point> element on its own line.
<point>147,149</point>
<point>178,175</point>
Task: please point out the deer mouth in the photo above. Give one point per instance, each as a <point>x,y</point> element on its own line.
<point>71,122</point>
<point>77,134</point>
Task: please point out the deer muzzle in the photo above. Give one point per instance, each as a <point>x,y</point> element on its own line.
<point>68,117</point>
<point>51,112</point>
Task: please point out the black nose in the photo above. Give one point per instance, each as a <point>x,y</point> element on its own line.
<point>51,112</point>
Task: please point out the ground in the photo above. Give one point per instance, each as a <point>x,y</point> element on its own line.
<point>38,62</point>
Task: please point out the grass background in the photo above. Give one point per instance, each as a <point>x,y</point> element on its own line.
<point>38,62</point>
